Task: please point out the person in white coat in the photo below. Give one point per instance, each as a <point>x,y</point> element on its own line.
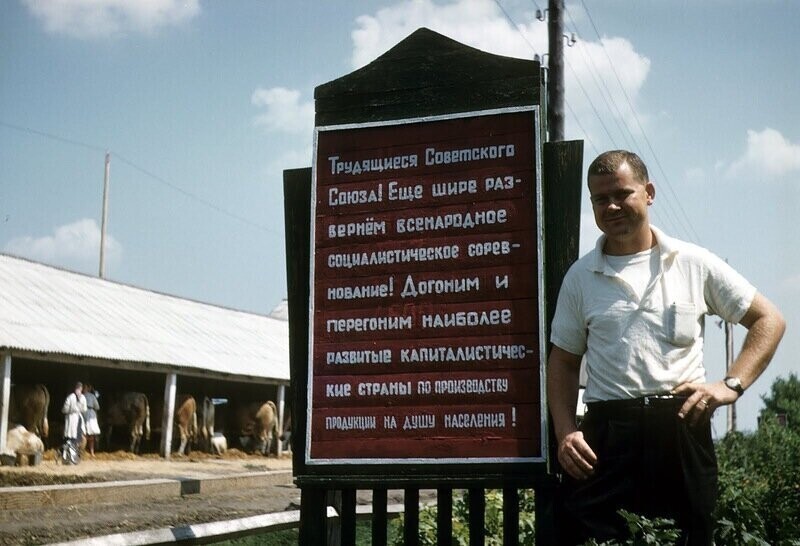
<point>73,410</point>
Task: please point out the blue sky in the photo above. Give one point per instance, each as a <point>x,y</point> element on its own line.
<point>203,104</point>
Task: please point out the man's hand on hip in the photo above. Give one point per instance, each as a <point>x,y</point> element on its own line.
<point>703,399</point>
<point>576,457</point>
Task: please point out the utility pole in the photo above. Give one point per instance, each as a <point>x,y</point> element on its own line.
<point>728,364</point>
<point>104,218</point>
<point>555,82</point>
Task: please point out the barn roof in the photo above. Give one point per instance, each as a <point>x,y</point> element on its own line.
<point>50,311</point>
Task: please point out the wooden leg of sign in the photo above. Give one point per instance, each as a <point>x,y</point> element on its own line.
<point>334,500</point>
<point>411,521</point>
<point>444,515</point>
<point>347,517</point>
<point>545,497</point>
<point>477,507</point>
<point>510,516</point>
<point>313,513</point>
<point>379,518</point>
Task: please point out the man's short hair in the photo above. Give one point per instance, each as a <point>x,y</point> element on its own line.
<point>609,162</point>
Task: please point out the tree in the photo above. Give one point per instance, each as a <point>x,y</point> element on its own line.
<point>784,399</point>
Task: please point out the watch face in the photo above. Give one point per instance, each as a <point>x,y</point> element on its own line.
<point>734,383</point>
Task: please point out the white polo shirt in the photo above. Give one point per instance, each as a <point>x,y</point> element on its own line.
<point>634,345</point>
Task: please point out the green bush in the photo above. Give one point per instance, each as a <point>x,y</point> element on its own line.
<point>760,487</point>
<point>493,521</point>
<point>658,532</point>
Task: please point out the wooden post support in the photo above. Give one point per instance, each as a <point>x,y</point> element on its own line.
<point>444,515</point>
<point>169,415</point>
<point>5,399</point>
<point>313,516</point>
<point>281,407</point>
<point>562,175</point>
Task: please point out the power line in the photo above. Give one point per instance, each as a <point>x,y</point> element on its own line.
<point>193,196</point>
<point>598,80</point>
<point>95,147</point>
<point>51,136</point>
<point>515,27</point>
<point>669,210</point>
<point>589,100</point>
<point>641,128</point>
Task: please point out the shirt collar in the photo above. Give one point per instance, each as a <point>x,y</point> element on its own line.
<point>667,248</point>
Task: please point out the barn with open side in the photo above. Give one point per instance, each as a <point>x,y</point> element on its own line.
<point>58,327</point>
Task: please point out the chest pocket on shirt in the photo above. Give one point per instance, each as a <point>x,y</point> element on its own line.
<point>682,323</point>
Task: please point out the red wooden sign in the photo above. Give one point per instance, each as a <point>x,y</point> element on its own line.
<point>426,293</point>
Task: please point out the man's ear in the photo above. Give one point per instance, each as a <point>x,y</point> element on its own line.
<point>651,192</point>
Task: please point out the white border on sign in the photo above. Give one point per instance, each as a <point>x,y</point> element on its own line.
<point>541,287</point>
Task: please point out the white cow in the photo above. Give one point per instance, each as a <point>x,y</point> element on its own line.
<point>21,441</point>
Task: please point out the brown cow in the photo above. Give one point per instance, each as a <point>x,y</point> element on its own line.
<point>257,423</point>
<point>28,407</point>
<point>186,421</point>
<point>130,410</point>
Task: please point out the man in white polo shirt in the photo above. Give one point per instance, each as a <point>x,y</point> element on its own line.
<point>635,306</point>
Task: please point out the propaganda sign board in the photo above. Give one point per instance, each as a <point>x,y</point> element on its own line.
<point>426,333</point>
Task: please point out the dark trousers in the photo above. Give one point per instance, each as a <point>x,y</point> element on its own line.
<point>649,462</point>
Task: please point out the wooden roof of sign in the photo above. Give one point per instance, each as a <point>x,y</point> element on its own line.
<point>427,74</point>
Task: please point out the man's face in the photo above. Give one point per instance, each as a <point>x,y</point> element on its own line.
<point>620,202</point>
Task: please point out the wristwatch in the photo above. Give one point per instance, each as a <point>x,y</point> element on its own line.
<point>735,384</point>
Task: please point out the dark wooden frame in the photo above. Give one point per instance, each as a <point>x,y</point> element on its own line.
<point>426,74</point>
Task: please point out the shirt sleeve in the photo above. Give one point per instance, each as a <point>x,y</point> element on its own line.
<point>568,331</point>
<point>728,294</point>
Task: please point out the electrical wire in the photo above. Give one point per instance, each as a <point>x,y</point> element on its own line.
<point>95,147</point>
<point>691,231</point>
<point>515,27</point>
<point>600,82</point>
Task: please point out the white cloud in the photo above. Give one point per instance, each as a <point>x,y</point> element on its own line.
<point>478,23</point>
<point>73,246</point>
<point>107,18</point>
<point>283,110</point>
<point>791,283</point>
<point>482,24</point>
<point>769,155</point>
<point>593,88</point>
<point>292,159</point>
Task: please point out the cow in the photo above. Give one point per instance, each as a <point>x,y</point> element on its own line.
<point>207,425</point>
<point>28,407</point>
<point>257,423</point>
<point>186,421</point>
<point>219,444</point>
<point>130,410</point>
<point>21,441</point>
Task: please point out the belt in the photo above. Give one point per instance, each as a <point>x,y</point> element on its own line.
<point>643,402</point>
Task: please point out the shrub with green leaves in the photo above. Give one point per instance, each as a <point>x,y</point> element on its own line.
<point>760,487</point>
<point>493,520</point>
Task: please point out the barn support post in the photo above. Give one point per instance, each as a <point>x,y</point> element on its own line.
<point>281,406</point>
<point>562,176</point>
<point>5,399</point>
<point>169,414</point>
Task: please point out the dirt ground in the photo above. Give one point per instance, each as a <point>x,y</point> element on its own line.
<point>61,523</point>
